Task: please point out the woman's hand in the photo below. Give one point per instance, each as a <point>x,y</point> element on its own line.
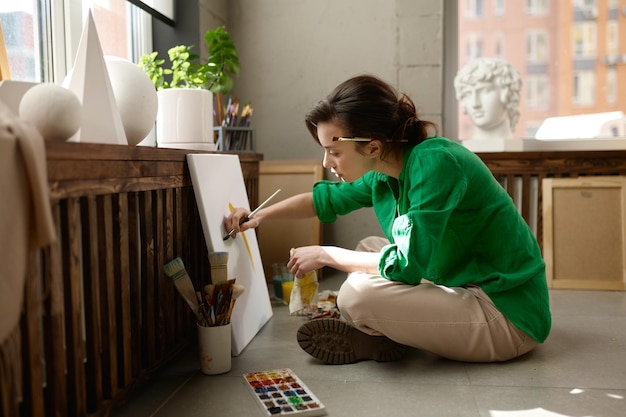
<point>237,221</point>
<point>309,258</point>
<point>306,259</point>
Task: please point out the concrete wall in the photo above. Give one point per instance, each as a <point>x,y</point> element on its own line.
<point>294,52</point>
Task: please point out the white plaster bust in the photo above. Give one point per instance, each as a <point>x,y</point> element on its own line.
<point>489,91</point>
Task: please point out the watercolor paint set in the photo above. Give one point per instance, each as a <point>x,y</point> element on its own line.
<point>280,392</point>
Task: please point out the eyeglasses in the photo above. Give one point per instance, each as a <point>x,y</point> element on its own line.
<point>358,139</point>
<point>351,139</point>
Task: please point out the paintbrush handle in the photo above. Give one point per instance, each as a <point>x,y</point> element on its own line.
<point>255,211</point>
<point>223,296</point>
<point>204,315</point>
<point>230,310</point>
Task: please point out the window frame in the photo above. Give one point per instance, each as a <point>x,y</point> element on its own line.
<point>58,28</point>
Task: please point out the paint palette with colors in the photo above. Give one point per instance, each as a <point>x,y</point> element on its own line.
<point>280,392</point>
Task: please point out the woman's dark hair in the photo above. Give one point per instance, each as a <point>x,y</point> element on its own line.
<point>366,106</point>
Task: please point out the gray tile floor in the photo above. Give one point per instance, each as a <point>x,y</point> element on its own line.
<point>579,371</point>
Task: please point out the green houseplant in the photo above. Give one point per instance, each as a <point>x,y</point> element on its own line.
<point>188,76</point>
<point>186,70</point>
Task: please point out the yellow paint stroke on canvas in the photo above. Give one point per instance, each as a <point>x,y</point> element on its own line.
<point>245,239</point>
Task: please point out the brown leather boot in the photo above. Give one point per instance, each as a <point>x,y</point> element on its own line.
<point>337,343</point>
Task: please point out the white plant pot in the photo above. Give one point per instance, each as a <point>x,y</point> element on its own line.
<point>185,119</point>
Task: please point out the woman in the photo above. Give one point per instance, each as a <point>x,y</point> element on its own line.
<point>458,274</point>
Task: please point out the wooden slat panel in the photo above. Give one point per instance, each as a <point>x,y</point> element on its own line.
<point>167,255</point>
<point>180,238</point>
<point>92,296</point>
<point>33,376</point>
<point>54,325</point>
<point>108,293</point>
<point>134,248</point>
<point>98,325</point>
<point>70,219</point>
<point>539,231</point>
<point>122,275</point>
<point>526,198</point>
<point>148,292</point>
<point>510,184</point>
<point>158,280</point>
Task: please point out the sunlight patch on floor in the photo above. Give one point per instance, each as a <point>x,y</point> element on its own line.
<point>535,412</point>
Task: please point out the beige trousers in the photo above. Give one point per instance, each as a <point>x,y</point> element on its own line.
<point>459,323</point>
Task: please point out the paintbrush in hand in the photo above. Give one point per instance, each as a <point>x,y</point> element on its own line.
<point>175,270</point>
<point>249,216</point>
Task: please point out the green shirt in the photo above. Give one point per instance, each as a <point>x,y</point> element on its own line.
<point>450,222</point>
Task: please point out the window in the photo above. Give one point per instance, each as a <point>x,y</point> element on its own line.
<point>537,7</point>
<point>474,8</point>
<point>473,46</point>
<point>20,31</point>
<point>499,47</point>
<point>498,7</point>
<point>612,47</point>
<point>537,91</point>
<point>43,49</point>
<point>585,40</point>
<point>537,44</point>
<point>611,86</point>
<point>569,66</point>
<point>585,5</point>
<point>584,88</point>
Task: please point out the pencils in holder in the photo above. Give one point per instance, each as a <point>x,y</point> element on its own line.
<point>234,132</point>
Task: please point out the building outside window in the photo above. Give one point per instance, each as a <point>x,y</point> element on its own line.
<point>572,65</point>
<point>42,36</point>
<point>20,30</point>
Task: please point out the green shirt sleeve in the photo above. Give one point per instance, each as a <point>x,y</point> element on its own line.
<point>333,198</point>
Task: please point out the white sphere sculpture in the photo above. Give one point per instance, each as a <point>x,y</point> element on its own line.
<point>136,98</point>
<point>55,111</point>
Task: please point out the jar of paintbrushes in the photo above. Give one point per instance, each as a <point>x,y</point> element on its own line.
<point>216,303</point>
<point>212,307</point>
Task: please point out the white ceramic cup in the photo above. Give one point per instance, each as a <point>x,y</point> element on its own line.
<point>214,349</point>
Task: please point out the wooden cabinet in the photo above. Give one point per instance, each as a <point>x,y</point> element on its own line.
<point>99,313</point>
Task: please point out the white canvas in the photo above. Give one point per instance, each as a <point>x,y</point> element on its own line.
<point>218,182</point>
<point>89,80</point>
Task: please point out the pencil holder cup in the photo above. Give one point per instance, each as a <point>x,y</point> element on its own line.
<point>214,349</point>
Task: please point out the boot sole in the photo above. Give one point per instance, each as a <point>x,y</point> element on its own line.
<point>335,342</point>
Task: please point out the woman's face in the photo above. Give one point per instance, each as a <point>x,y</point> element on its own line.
<point>343,157</point>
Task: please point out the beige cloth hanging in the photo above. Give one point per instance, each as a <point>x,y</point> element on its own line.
<point>25,216</point>
<point>26,224</point>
